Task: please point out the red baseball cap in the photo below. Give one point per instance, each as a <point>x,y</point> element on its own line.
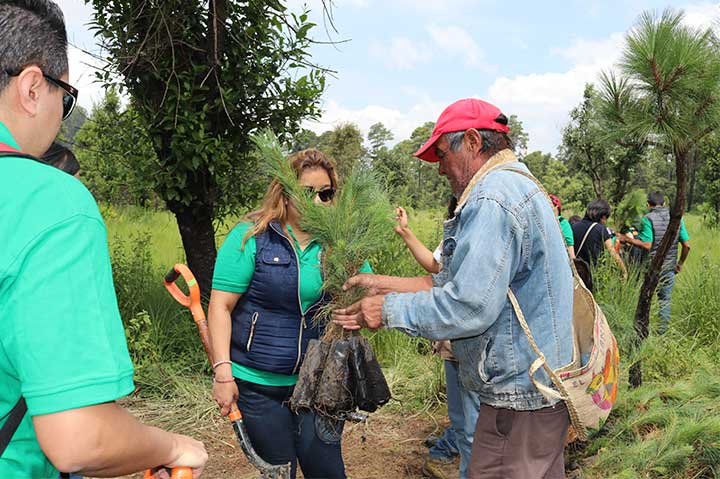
<point>460,116</point>
<point>555,201</point>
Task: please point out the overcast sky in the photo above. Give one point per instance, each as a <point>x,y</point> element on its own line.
<point>408,59</point>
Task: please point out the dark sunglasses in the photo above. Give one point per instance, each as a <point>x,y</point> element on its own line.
<point>69,97</point>
<point>325,195</point>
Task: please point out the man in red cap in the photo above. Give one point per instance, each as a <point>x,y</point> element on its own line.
<point>503,241</point>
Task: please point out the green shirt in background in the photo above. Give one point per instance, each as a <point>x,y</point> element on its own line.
<point>62,343</point>
<point>234,269</point>
<point>646,231</point>
<point>566,231</point>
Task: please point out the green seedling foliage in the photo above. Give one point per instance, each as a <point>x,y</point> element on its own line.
<point>356,226</point>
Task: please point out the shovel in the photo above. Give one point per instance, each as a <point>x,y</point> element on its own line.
<point>267,471</point>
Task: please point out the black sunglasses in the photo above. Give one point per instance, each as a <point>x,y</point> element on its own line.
<point>69,97</point>
<point>325,195</point>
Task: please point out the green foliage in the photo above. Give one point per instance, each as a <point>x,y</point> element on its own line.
<point>609,163</point>
<point>630,210</point>
<point>115,154</point>
<point>518,135</point>
<point>668,89</point>
<point>354,227</point>
<point>571,187</point>
<point>344,144</point>
<point>137,333</point>
<point>378,136</point>
<point>303,140</point>
<point>710,176</point>
<point>203,76</point>
<point>132,272</point>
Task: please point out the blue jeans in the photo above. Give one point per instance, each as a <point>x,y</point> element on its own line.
<point>463,408</point>
<point>280,436</point>
<point>665,287</point>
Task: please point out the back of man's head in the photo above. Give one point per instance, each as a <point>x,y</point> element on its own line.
<point>655,199</point>
<point>32,32</point>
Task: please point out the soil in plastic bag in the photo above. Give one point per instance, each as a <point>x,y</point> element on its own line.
<point>309,377</point>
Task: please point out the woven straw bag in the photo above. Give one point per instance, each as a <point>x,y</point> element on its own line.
<point>589,384</point>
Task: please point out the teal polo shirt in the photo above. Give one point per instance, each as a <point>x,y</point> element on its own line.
<point>62,343</point>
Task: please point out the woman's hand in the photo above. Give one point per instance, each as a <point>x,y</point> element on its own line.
<point>402,220</point>
<point>225,395</point>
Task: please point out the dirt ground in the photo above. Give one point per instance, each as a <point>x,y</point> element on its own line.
<point>386,446</point>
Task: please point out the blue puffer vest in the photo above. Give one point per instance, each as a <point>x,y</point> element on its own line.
<point>269,331</point>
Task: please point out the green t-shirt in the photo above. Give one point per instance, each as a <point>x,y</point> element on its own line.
<point>234,269</point>
<point>566,231</point>
<point>62,344</point>
<point>646,231</point>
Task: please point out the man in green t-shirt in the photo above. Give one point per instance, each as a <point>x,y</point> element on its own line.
<point>652,231</point>
<point>62,344</point>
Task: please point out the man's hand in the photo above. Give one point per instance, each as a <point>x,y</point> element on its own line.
<point>678,268</point>
<point>366,313</point>
<point>371,282</point>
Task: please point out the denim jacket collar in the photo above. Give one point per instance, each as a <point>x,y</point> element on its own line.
<point>499,159</point>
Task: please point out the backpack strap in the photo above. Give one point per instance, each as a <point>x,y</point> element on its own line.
<point>582,243</point>
<point>12,423</point>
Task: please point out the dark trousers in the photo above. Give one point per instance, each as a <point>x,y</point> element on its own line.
<point>519,444</point>
<point>280,436</point>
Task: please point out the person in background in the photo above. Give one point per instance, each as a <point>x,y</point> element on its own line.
<point>591,235</point>
<point>62,158</point>
<point>564,226</point>
<point>652,231</point>
<point>63,354</point>
<point>463,405</point>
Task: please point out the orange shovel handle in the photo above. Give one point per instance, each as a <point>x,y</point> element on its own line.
<point>191,301</point>
<point>177,473</point>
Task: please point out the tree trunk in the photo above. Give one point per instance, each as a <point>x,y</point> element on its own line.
<point>692,167</point>
<point>642,313</point>
<point>198,238</point>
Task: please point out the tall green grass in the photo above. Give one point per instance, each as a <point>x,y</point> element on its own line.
<point>670,426</point>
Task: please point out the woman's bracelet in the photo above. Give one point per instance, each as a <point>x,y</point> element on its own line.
<point>223,381</point>
<point>219,363</point>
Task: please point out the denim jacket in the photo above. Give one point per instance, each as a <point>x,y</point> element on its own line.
<point>504,235</point>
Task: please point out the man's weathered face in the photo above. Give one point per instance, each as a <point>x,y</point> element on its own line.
<point>455,165</point>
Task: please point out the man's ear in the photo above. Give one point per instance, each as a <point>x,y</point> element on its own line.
<point>473,141</point>
<point>29,88</point>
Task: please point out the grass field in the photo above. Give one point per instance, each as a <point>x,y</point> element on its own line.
<point>670,427</point>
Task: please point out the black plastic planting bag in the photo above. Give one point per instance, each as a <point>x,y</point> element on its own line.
<point>340,376</point>
<point>371,389</point>
<point>334,394</point>
<point>309,377</point>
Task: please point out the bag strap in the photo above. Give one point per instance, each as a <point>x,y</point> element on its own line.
<point>552,206</point>
<point>540,362</point>
<point>582,243</point>
<point>12,423</point>
<point>9,151</point>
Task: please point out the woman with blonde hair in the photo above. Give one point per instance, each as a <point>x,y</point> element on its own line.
<point>266,291</point>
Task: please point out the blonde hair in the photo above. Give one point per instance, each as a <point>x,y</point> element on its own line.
<point>274,207</point>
